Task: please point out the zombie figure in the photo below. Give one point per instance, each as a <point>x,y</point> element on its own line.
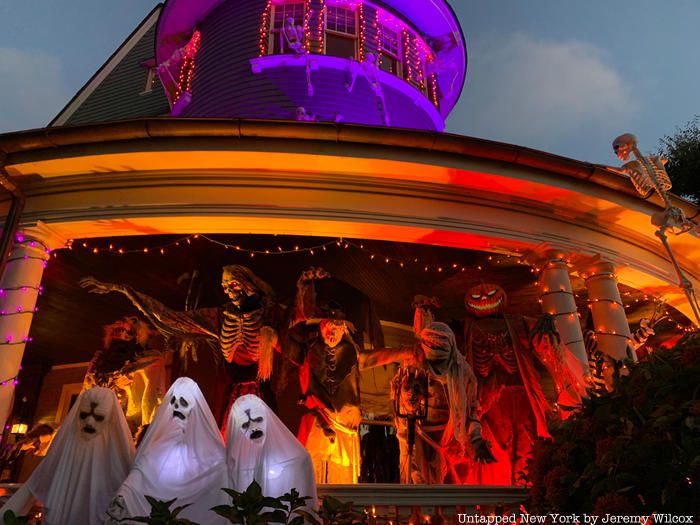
<point>436,386</point>
<point>131,365</point>
<point>320,343</point>
<point>87,462</point>
<point>242,329</point>
<point>260,447</point>
<point>181,456</point>
<point>501,349</point>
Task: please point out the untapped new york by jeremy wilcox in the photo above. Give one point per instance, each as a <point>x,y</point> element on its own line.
<point>577,519</point>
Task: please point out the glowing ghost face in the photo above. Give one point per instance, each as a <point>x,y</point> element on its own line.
<point>92,418</point>
<point>485,299</point>
<point>181,407</point>
<point>254,424</point>
<point>332,331</point>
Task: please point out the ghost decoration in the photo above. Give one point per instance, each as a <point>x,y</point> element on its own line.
<point>181,456</point>
<point>87,462</point>
<point>260,447</point>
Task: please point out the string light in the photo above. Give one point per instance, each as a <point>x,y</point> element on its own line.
<point>362,30</point>
<point>187,67</point>
<point>307,26</point>
<point>320,28</point>
<point>264,31</point>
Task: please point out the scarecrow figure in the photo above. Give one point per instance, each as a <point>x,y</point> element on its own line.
<point>320,343</point>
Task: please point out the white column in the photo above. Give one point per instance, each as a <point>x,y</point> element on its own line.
<point>557,299</point>
<point>610,324</point>
<point>20,286</point>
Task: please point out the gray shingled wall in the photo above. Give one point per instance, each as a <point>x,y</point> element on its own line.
<point>120,95</point>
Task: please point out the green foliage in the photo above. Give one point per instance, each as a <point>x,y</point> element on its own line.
<point>335,512</point>
<point>636,448</point>
<point>162,515</point>
<point>683,153</point>
<point>252,508</point>
<point>10,518</point>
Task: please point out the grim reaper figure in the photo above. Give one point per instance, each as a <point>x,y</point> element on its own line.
<point>260,447</point>
<point>85,465</point>
<point>181,456</point>
<point>243,329</point>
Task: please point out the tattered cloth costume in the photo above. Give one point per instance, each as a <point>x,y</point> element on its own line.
<point>453,423</point>
<point>260,447</point>
<point>87,462</point>
<point>180,457</point>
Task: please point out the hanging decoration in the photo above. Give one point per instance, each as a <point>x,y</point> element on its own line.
<point>264,31</point>
<point>307,26</point>
<point>362,31</point>
<point>184,82</point>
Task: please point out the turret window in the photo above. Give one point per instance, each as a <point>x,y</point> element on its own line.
<point>341,32</point>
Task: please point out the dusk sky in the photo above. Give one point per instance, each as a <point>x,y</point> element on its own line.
<point>560,76</point>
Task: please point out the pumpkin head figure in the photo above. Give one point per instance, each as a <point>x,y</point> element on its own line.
<point>485,299</point>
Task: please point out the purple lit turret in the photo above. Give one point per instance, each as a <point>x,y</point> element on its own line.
<point>396,63</point>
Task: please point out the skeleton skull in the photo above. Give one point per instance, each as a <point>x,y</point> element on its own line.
<point>623,146</point>
<point>232,287</point>
<point>92,418</point>
<point>332,331</point>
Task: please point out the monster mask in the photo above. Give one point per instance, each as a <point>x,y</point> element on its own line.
<point>92,417</point>
<point>485,299</point>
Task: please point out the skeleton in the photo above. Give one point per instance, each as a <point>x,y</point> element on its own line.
<point>501,349</point>
<point>242,329</point>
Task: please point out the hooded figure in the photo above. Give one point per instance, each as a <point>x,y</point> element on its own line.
<point>260,447</point>
<point>181,456</point>
<point>87,462</point>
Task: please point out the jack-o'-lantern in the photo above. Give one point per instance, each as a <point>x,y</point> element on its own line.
<point>485,299</point>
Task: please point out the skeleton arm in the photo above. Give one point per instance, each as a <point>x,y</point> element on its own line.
<point>406,355</point>
<point>166,321</point>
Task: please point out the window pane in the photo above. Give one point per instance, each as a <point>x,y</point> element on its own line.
<point>340,46</point>
<point>284,11</point>
<point>389,41</point>
<point>341,20</point>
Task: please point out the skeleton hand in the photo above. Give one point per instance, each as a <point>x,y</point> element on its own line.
<point>482,451</point>
<point>311,274</point>
<point>645,324</point>
<point>544,334</point>
<point>94,286</point>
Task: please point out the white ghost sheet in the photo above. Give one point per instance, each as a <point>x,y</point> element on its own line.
<point>87,462</point>
<point>181,456</point>
<point>259,446</point>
